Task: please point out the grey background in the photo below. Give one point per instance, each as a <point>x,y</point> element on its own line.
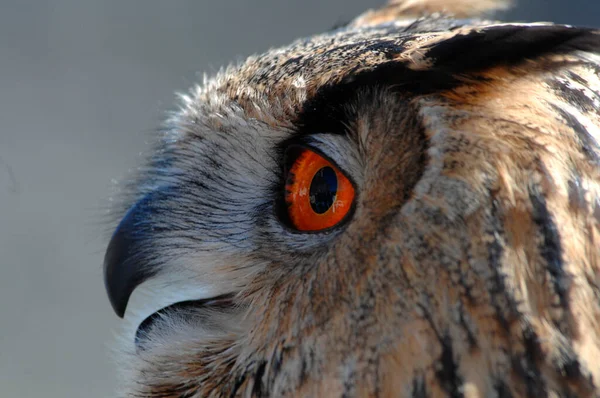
<point>83,85</point>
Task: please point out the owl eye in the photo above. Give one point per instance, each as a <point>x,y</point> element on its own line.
<point>318,195</point>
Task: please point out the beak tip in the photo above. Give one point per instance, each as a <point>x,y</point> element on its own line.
<point>115,283</point>
<point>118,303</point>
<point>124,267</point>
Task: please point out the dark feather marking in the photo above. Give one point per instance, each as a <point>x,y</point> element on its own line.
<point>349,385</point>
<point>327,109</point>
<point>481,48</point>
<point>501,299</point>
<point>237,384</point>
<point>502,390</point>
<point>419,389</point>
<point>526,366</point>
<point>575,77</point>
<point>567,364</point>
<point>589,145</point>
<point>551,251</point>
<point>303,376</point>
<point>257,388</point>
<point>447,374</point>
<point>573,96</point>
<point>276,360</point>
<point>471,334</point>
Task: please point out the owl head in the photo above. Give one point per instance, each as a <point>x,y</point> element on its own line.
<point>408,205</point>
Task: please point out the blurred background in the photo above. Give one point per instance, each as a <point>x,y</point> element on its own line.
<point>83,86</point>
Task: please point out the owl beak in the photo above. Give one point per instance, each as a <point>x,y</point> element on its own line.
<point>125,267</point>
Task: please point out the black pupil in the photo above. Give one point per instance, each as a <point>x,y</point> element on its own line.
<point>323,189</point>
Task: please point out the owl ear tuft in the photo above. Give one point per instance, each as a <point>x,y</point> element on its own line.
<point>407,10</point>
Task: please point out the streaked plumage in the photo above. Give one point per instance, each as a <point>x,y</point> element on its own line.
<point>470,265</point>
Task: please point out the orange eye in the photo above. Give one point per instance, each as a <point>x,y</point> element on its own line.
<point>318,195</point>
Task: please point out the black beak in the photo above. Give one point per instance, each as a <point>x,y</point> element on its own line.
<point>125,265</point>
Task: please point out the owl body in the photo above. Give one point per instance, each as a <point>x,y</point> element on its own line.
<point>468,262</point>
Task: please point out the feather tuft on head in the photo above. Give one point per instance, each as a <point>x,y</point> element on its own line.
<point>413,9</point>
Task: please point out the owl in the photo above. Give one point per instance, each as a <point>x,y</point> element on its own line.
<point>405,206</point>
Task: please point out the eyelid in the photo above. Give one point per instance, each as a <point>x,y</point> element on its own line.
<point>339,150</point>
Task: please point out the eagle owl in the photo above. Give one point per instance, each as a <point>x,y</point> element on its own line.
<point>407,205</point>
